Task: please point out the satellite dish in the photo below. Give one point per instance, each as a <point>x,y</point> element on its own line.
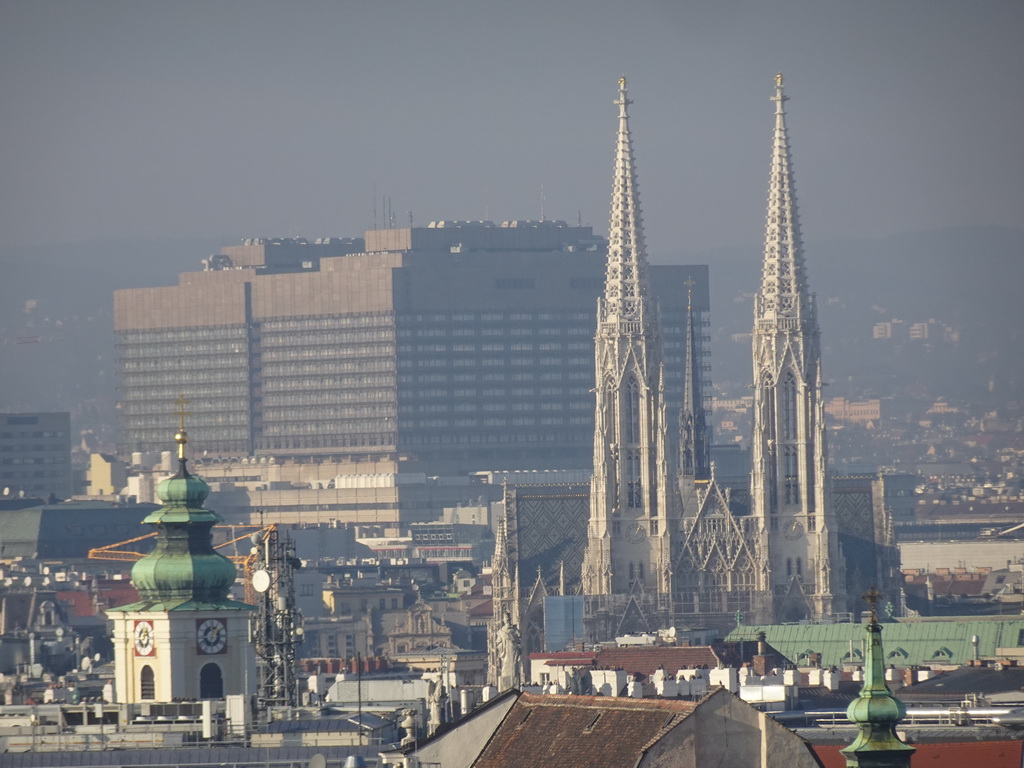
<point>46,581</point>
<point>46,570</point>
<point>255,538</point>
<point>96,658</point>
<point>28,581</point>
<point>8,582</point>
<point>59,632</point>
<point>261,581</point>
<point>317,761</point>
<point>86,664</point>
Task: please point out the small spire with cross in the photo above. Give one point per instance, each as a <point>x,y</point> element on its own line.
<point>181,438</point>
<point>872,598</point>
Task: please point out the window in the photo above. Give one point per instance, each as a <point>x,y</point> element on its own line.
<point>147,683</point>
<point>211,682</point>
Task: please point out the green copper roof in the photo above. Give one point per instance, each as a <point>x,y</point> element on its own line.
<point>908,642</point>
<point>876,712</point>
<point>183,572</point>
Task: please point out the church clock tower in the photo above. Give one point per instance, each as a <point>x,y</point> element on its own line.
<point>184,638</point>
<point>789,485</point>
<point>627,574</point>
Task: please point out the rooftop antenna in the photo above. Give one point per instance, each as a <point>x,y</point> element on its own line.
<point>375,205</point>
<point>542,218</point>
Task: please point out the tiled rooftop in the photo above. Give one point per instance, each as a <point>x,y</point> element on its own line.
<point>580,731</point>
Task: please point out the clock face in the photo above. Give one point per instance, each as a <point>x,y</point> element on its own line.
<point>143,637</point>
<point>636,533</point>
<point>211,636</point>
<point>794,530</point>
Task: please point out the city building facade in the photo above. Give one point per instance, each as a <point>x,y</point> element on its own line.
<point>460,345</point>
<point>35,455</point>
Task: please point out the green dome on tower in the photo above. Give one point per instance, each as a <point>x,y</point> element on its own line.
<point>183,572</point>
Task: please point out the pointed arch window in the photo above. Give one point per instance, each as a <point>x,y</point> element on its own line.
<point>631,408</point>
<point>790,474</point>
<point>789,566</point>
<point>634,486</point>
<point>788,397</point>
<point>640,572</point>
<point>799,566</point>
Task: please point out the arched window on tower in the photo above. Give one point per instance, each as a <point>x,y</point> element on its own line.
<point>634,487</point>
<point>147,683</point>
<point>211,682</point>
<point>788,398</point>
<point>632,572</point>
<point>640,572</point>
<point>631,408</point>
<point>791,476</point>
<point>799,566</point>
<point>789,566</point>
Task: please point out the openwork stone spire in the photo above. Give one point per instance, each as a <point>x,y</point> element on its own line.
<point>783,279</point>
<point>626,279</point>
<point>789,487</point>
<point>628,559</point>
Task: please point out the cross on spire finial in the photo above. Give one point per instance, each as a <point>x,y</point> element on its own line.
<point>181,438</point>
<point>872,598</point>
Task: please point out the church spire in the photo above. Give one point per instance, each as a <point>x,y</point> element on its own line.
<point>876,711</point>
<point>783,280</point>
<point>694,460</point>
<point>629,546</point>
<point>789,492</point>
<point>626,279</point>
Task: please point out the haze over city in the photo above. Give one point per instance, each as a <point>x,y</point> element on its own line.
<point>141,137</point>
<point>143,121</point>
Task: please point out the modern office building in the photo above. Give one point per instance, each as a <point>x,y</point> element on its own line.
<point>35,454</point>
<point>460,345</point>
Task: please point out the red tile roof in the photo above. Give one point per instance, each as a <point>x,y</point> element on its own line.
<point>580,731</point>
<point>949,754</point>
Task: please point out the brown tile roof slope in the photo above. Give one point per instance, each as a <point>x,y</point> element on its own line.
<point>647,660</point>
<point>580,731</point>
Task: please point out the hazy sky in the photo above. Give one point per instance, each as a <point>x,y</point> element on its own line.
<point>235,118</point>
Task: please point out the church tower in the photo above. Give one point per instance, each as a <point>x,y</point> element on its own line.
<point>184,638</point>
<point>627,578</point>
<point>789,486</point>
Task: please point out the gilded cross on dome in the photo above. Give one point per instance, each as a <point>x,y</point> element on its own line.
<point>182,437</point>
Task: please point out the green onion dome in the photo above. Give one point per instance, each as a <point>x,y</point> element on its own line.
<point>183,567</point>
